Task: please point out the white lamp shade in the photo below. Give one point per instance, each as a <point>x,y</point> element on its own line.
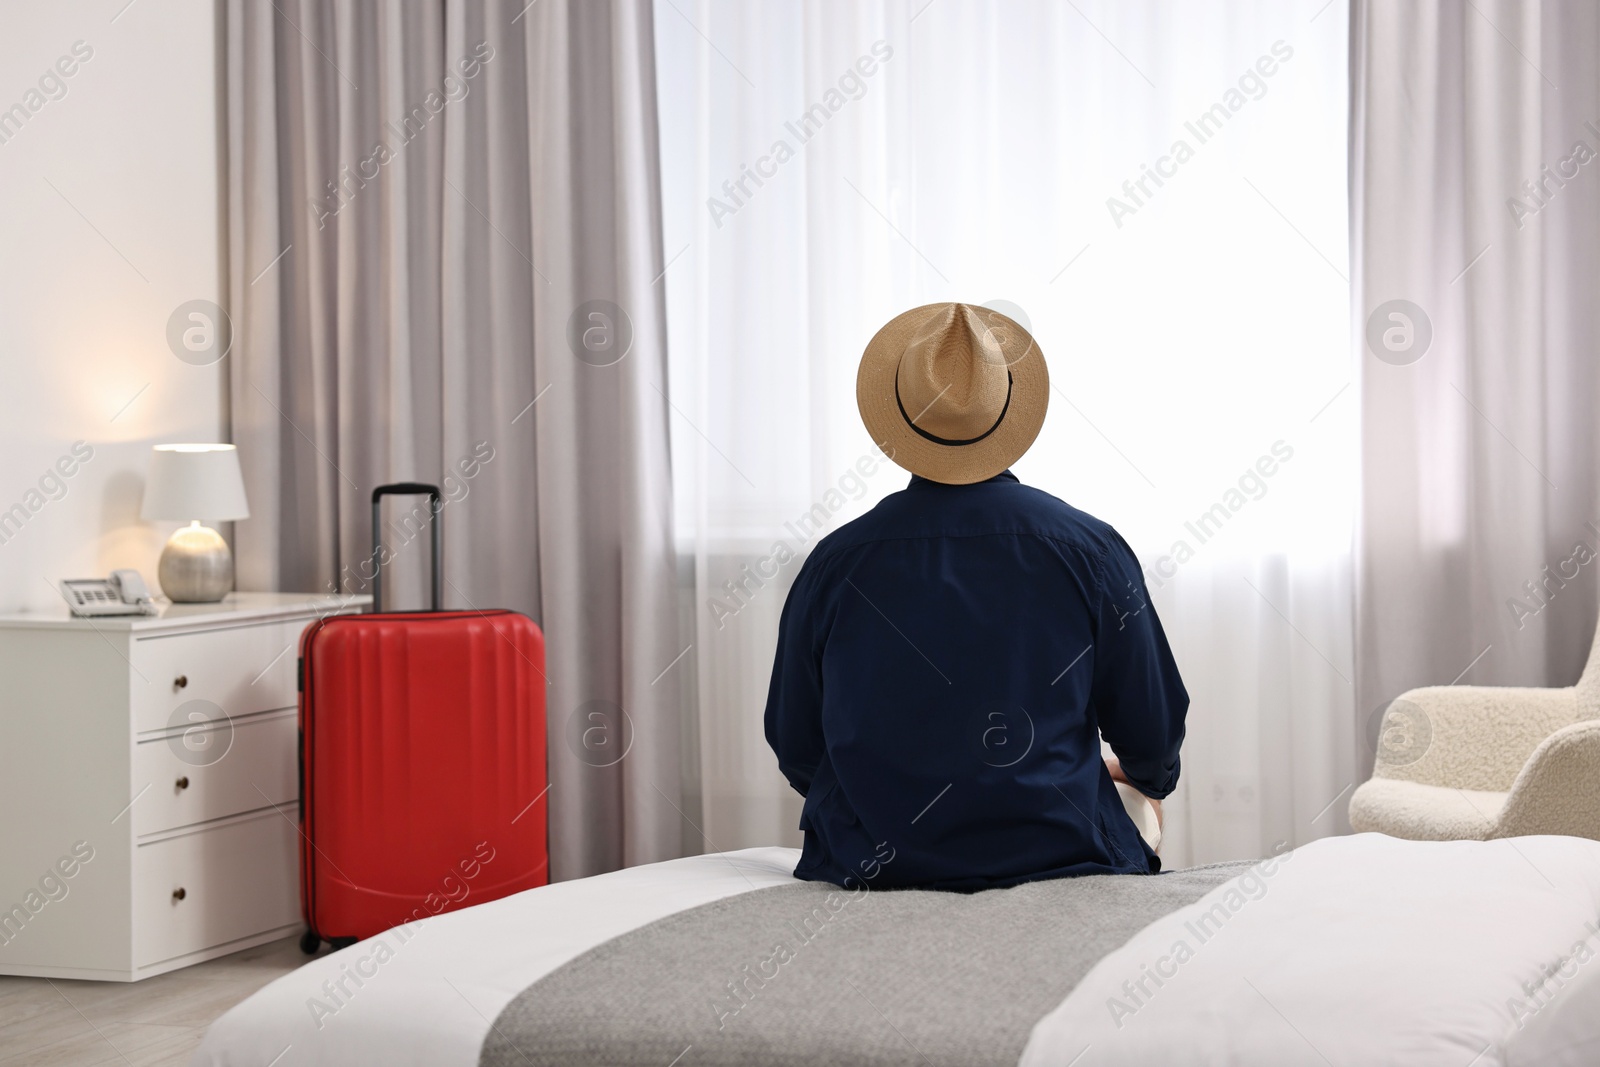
<point>189,482</point>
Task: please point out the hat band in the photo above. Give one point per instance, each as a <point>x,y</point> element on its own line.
<point>946,440</point>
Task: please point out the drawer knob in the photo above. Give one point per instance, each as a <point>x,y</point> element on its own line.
<point>180,682</point>
<point>183,783</point>
<point>179,893</point>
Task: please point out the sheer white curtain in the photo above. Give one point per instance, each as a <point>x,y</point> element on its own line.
<point>1160,188</point>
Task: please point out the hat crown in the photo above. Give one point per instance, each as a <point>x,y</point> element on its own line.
<point>952,379</point>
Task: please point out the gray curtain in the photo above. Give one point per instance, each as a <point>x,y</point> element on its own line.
<point>444,244</point>
<point>1476,198</point>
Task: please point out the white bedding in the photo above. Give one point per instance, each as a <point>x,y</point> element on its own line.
<point>1356,950</point>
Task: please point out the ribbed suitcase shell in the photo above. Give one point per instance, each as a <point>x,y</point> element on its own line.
<point>422,758</point>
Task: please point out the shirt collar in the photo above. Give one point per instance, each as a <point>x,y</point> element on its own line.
<point>1003,476</point>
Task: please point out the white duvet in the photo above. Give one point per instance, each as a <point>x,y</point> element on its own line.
<point>1357,950</point>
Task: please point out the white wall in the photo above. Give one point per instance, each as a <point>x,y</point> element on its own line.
<point>91,269</point>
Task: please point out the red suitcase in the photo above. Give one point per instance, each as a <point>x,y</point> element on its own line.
<point>422,759</point>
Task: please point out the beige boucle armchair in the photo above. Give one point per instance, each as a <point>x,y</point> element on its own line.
<point>1477,762</point>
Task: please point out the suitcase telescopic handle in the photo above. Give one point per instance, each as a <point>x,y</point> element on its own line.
<point>435,506</point>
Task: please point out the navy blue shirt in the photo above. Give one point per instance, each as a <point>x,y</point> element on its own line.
<point>946,666</point>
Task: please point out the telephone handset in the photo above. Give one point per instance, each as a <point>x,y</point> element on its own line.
<point>124,593</point>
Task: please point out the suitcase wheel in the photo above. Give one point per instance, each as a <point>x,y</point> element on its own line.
<point>310,943</point>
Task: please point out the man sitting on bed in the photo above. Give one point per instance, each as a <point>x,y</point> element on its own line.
<point>948,663</point>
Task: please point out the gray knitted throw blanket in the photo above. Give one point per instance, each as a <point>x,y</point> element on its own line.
<point>812,975</point>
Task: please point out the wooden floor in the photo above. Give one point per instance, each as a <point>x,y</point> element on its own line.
<point>153,1023</point>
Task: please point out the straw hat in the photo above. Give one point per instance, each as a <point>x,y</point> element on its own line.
<point>953,392</point>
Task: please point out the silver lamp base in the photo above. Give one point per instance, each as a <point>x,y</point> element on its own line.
<point>196,566</point>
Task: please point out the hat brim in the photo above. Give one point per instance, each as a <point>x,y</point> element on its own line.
<point>952,464</point>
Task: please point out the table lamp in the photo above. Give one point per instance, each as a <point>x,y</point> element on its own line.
<point>195,482</point>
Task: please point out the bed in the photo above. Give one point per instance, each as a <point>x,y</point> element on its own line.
<point>1351,950</point>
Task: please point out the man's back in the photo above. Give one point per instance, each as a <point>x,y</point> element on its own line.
<point>945,667</point>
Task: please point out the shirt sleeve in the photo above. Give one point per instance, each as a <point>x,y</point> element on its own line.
<point>1137,692</point>
<point>794,699</point>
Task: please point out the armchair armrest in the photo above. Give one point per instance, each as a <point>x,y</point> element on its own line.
<point>1558,792</point>
<point>1468,736</point>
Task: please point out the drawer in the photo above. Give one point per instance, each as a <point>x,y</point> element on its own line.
<point>229,672</point>
<point>207,772</point>
<point>213,886</point>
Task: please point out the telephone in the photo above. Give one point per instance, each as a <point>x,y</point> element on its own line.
<point>123,593</point>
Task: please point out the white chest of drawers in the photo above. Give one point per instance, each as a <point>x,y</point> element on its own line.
<point>149,785</point>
